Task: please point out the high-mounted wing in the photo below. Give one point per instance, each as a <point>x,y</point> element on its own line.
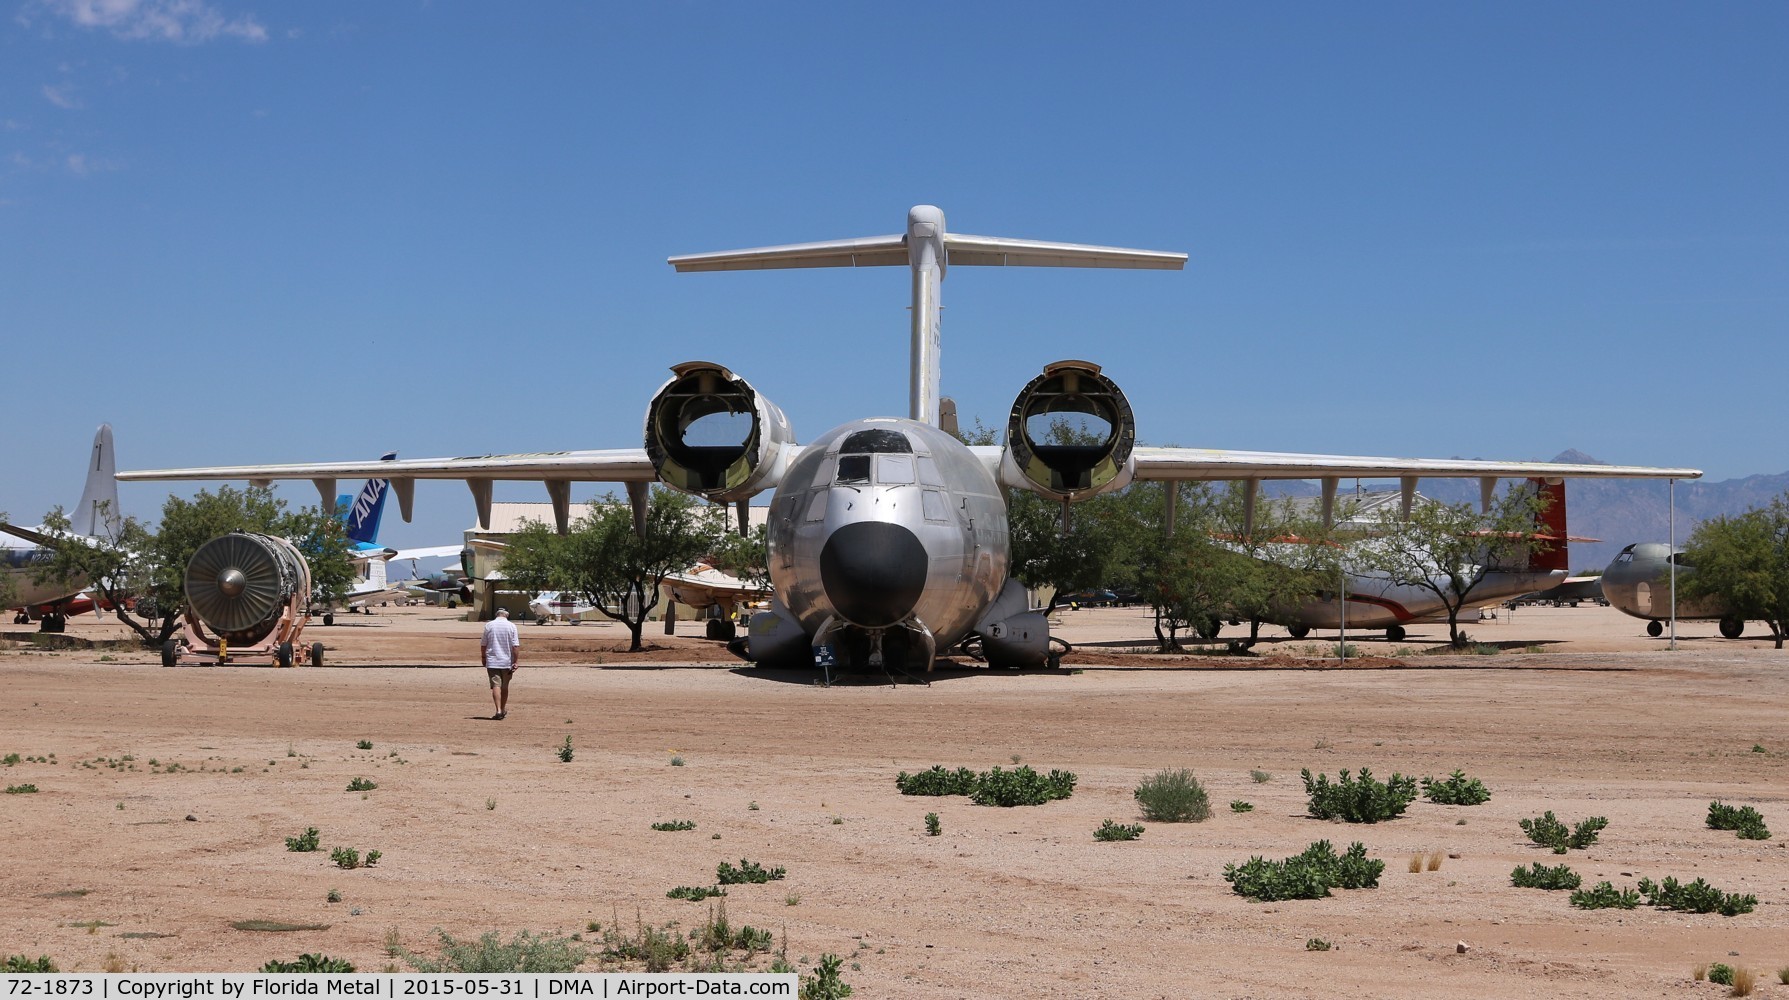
<point>1213,463</point>
<point>558,469</point>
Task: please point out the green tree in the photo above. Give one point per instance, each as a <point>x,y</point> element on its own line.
<point>1448,549</point>
<point>1742,562</point>
<point>8,589</point>
<point>134,561</point>
<point>1288,553</point>
<point>746,556</point>
<point>602,559</point>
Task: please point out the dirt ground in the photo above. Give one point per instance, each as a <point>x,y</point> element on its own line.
<point>482,827</point>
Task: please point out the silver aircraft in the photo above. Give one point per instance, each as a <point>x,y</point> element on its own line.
<point>888,536</point>
<point>1638,582</point>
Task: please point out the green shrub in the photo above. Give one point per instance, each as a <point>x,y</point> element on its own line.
<point>825,984</point>
<point>11,759</point>
<point>1260,777</point>
<point>25,789</point>
<point>933,826</point>
<point>1173,797</point>
<point>333,896</point>
<point>695,893</point>
<point>345,857</point>
<point>565,750</point>
<point>525,952</point>
<point>1456,790</point>
<point>310,963</point>
<point>1696,897</point>
<point>1117,831</point>
<point>675,825</point>
<point>1317,944</point>
<point>1745,820</point>
<point>937,781</point>
<point>1021,786</point>
<point>651,945</point>
<point>1548,831</point>
<point>1358,801</point>
<point>1310,875</point>
<point>304,842</point>
<point>1538,876</point>
<point>23,963</point>
<point>361,785</point>
<point>1720,975</point>
<point>1603,896</point>
<point>364,745</point>
<point>748,871</point>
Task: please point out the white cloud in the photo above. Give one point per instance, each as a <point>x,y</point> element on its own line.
<point>182,21</point>
<point>82,165</point>
<point>60,97</point>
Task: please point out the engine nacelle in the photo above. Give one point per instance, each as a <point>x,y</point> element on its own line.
<point>1070,434</point>
<point>241,584</point>
<point>708,432</point>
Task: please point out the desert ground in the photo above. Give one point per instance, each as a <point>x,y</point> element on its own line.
<point>161,819</point>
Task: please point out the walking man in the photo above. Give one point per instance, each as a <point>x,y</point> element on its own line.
<point>502,655</point>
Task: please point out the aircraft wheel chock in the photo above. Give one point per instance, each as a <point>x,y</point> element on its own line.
<point>1655,629</point>
<point>1732,628</point>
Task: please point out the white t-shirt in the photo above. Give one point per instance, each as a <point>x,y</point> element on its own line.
<point>500,642</point>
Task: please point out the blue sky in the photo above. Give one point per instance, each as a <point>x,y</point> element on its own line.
<point>253,232</point>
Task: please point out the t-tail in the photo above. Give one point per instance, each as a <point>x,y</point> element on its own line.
<point>928,248</point>
<point>361,517</point>
<point>97,513</point>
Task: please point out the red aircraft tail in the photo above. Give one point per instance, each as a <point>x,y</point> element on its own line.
<point>1550,524</point>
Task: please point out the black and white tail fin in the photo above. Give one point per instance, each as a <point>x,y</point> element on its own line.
<point>97,513</point>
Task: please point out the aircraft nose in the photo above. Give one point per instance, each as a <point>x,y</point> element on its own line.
<point>873,572</point>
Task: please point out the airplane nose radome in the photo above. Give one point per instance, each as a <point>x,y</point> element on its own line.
<point>873,572</point>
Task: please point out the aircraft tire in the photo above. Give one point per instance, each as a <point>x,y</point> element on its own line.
<point>329,618</point>
<point>316,654</point>
<point>283,655</point>
<point>1655,629</point>
<point>721,629</point>
<point>452,604</point>
<point>21,619</point>
<point>1394,633</point>
<point>1298,631</point>
<point>1732,628</point>
<point>170,653</point>
<point>53,622</point>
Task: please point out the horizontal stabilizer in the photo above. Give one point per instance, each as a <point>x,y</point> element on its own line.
<point>867,251</point>
<point>997,251</point>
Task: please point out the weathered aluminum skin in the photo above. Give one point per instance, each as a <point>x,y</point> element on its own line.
<point>1638,583</point>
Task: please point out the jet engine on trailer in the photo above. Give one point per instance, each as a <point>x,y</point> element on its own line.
<point>252,592</point>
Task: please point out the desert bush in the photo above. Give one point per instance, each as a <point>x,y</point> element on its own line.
<point>825,983</point>
<point>1745,820</point>
<point>1309,875</point>
<point>1317,944</point>
<point>1241,806</point>
<point>1783,975</point>
<point>1456,790</point>
<point>933,826</point>
<point>25,789</point>
<point>695,893</point>
<point>310,963</point>
<point>364,745</point>
<point>937,781</point>
<point>748,871</point>
<point>1539,876</point>
<point>671,826</point>
<point>361,785</point>
<point>1744,982</point>
<point>1603,896</point>
<point>657,948</point>
<point>1365,800</point>
<point>25,963</point>
<point>565,750</point>
<point>348,857</point>
<point>1696,897</point>
<point>1548,831</point>
<point>1021,786</point>
<point>305,842</point>
<point>1173,796</point>
<point>1260,777</point>
<point>1720,974</point>
<point>526,952</point>
<point>1118,831</point>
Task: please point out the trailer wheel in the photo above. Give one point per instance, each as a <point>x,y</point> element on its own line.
<point>1298,631</point>
<point>1732,628</point>
<point>329,618</point>
<point>316,654</point>
<point>170,653</point>
<point>283,655</point>
<point>1655,628</point>
<point>1394,633</point>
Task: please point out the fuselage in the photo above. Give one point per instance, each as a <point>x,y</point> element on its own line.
<point>888,523</point>
<point>1638,582</point>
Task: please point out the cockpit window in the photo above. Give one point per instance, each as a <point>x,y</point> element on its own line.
<point>877,440</point>
<point>1678,559</point>
<point>928,472</point>
<point>854,468</point>
<point>894,470</point>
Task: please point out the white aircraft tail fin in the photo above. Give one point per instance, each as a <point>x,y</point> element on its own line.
<point>929,249</point>
<point>97,513</point>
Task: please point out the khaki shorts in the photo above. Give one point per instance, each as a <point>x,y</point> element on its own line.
<point>498,675</point>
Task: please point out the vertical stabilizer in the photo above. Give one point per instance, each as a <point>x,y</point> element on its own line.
<point>362,517</point>
<point>97,513</point>
<point>925,252</point>
<point>1550,523</point>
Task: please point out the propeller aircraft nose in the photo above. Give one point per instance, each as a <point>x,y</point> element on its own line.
<point>873,572</point>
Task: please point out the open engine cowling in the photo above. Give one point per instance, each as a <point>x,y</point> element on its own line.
<point>240,583</point>
<point>708,432</point>
<point>1070,434</point>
